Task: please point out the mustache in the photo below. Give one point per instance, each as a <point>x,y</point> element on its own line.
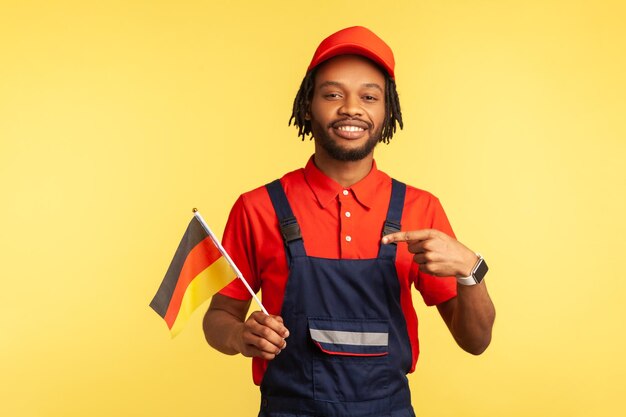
<point>350,121</point>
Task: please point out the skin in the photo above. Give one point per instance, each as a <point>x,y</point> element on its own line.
<point>349,91</point>
<point>347,113</point>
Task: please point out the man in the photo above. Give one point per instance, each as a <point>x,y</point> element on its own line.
<point>335,248</point>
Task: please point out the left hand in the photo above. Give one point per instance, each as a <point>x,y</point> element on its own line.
<point>436,253</point>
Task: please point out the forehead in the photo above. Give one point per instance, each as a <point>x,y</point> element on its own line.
<point>350,69</point>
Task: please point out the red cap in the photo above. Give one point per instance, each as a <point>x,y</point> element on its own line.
<point>355,40</point>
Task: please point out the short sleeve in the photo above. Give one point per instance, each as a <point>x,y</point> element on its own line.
<point>239,244</point>
<point>436,290</point>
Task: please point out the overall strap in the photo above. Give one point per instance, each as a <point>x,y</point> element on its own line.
<point>394,217</point>
<point>289,228</point>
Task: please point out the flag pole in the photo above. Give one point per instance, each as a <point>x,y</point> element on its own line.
<point>217,243</point>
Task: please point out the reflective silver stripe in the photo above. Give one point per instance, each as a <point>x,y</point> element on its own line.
<point>350,338</point>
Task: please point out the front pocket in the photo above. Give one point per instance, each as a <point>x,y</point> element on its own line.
<point>352,360</point>
<point>350,337</point>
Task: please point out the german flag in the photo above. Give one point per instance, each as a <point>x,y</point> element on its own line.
<point>197,271</point>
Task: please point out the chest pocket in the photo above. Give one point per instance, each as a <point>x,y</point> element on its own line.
<point>350,362</point>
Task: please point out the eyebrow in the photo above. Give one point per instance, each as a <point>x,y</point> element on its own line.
<point>338,84</point>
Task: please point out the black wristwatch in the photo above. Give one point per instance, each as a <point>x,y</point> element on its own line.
<point>478,273</point>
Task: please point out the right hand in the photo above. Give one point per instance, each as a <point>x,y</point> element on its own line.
<point>262,336</point>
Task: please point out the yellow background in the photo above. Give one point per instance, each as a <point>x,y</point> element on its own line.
<point>116,118</point>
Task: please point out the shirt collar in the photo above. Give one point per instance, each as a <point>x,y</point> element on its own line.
<point>326,189</point>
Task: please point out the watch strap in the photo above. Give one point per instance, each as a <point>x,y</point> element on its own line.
<point>466,280</point>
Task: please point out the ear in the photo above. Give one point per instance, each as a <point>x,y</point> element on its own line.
<point>307,116</point>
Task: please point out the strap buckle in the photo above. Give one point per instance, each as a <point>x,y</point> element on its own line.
<point>290,230</point>
<point>391,227</point>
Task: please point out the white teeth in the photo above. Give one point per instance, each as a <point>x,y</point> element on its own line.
<point>351,128</point>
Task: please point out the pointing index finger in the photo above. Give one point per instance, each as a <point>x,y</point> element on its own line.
<point>408,236</point>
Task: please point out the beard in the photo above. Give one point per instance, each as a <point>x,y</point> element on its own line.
<point>340,153</point>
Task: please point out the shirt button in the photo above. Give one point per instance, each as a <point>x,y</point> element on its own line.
<point>345,192</point>
<point>348,238</point>
<point>348,214</point>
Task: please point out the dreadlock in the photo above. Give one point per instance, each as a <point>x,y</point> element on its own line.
<point>302,106</point>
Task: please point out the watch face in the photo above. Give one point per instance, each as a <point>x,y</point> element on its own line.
<point>480,271</point>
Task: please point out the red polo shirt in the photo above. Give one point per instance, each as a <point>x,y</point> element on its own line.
<point>336,223</point>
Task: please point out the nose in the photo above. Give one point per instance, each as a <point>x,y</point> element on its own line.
<point>351,106</point>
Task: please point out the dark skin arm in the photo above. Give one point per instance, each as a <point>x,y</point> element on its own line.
<point>227,330</point>
<point>469,315</point>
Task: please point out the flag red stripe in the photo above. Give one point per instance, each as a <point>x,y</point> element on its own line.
<point>199,258</point>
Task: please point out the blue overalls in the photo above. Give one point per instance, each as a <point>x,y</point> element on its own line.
<point>348,351</point>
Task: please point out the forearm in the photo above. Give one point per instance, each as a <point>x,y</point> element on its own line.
<point>472,317</point>
<point>221,329</point>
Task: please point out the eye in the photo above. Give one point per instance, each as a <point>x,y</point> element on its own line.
<point>370,98</point>
<point>332,96</point>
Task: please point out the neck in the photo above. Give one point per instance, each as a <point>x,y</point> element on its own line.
<point>346,173</point>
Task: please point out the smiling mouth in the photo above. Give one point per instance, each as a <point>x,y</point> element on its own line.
<point>350,129</point>
<point>350,132</point>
